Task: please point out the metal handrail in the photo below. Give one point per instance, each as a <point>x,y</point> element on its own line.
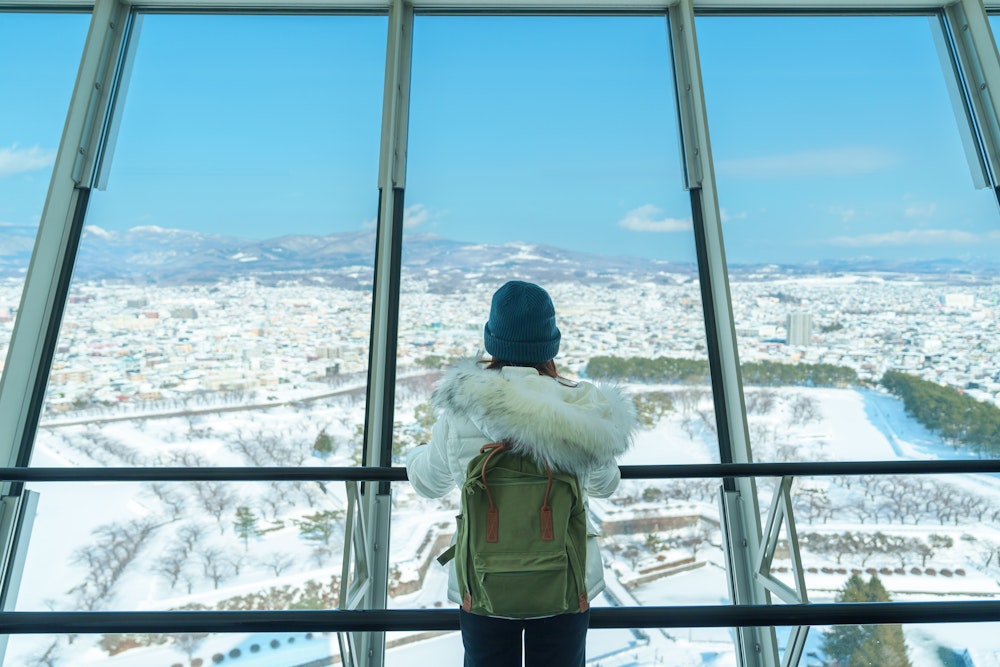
<point>167,622</point>
<point>398,473</point>
<point>717,616</point>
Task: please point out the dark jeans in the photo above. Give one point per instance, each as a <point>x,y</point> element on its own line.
<point>557,641</point>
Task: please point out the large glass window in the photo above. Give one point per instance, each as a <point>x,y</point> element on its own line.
<point>39,56</point>
<point>863,279</point>
<point>219,316</point>
<point>545,149</point>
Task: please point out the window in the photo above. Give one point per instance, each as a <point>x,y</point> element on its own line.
<point>39,56</point>
<point>219,316</point>
<point>545,149</point>
<point>862,281</point>
<point>856,242</point>
<point>220,312</point>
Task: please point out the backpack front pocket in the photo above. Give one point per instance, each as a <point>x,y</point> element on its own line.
<point>518,583</point>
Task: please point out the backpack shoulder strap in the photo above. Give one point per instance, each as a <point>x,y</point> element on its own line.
<point>492,514</point>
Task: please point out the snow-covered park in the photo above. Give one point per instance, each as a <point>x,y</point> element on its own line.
<point>182,545</point>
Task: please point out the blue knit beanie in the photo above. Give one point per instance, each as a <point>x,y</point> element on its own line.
<point>522,325</point>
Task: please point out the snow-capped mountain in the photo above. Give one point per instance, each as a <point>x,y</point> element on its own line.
<point>155,254</point>
<point>158,255</point>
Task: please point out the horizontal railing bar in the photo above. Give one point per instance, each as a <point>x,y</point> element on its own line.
<point>398,473</point>
<point>170,622</point>
<point>810,469</point>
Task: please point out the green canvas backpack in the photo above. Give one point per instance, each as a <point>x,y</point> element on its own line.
<point>520,550</point>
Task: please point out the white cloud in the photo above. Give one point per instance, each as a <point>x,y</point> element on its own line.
<point>647,219</point>
<point>844,161</point>
<point>846,214</point>
<point>726,217</point>
<point>413,216</point>
<point>920,210</point>
<point>916,237</point>
<point>14,160</point>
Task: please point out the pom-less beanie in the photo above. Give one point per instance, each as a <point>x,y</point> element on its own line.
<point>522,325</point>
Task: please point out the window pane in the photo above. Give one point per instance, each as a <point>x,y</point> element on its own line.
<point>219,316</point>
<point>637,646</point>
<point>863,278</point>
<point>545,149</point>
<point>39,57</point>
<point>229,263</point>
<point>856,242</point>
<point>169,650</point>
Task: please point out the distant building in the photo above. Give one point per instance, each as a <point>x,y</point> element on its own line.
<point>799,328</point>
<point>964,301</point>
<point>184,313</point>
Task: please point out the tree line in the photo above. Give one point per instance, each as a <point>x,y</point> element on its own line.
<point>671,370</point>
<point>954,415</point>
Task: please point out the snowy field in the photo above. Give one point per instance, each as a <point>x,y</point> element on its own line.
<point>214,565</point>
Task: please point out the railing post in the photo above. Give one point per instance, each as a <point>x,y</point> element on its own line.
<point>78,160</point>
<point>740,521</point>
<point>385,311</point>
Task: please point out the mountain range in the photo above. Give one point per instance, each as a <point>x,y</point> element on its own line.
<point>171,256</point>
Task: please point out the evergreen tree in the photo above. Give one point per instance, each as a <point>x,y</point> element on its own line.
<point>695,371</point>
<point>319,527</point>
<point>246,526</point>
<point>865,645</point>
<point>324,444</point>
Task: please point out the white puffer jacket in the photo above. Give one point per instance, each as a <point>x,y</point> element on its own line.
<point>580,429</point>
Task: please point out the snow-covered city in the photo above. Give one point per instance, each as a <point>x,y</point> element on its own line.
<point>257,373</point>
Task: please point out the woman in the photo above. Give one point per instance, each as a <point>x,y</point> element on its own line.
<point>519,397</point>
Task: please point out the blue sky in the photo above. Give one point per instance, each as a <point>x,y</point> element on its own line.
<point>833,137</point>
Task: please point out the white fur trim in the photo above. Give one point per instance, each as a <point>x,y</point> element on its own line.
<point>573,429</point>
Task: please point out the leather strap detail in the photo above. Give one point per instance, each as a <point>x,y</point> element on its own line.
<point>492,514</point>
<point>492,525</point>
<point>545,514</point>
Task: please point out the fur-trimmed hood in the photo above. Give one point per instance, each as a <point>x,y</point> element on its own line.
<point>572,428</point>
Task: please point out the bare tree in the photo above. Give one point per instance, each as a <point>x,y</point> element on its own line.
<point>708,418</point>
<point>760,401</point>
<point>48,657</point>
<point>804,409</point>
<point>213,567</point>
<point>186,458</point>
<point>189,643</point>
<point>190,534</point>
<point>171,497</point>
<point>321,554</point>
<point>278,561</point>
<point>106,561</point>
<point>235,560</point>
<point>689,398</point>
<point>216,498</point>
<point>859,507</point>
<point>275,500</point>
<point>813,500</point>
<point>171,565</point>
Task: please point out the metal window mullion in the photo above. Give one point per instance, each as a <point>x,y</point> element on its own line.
<point>19,513</point>
<point>968,26</point>
<point>39,312</point>
<point>46,286</point>
<point>385,311</point>
<point>738,500</point>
